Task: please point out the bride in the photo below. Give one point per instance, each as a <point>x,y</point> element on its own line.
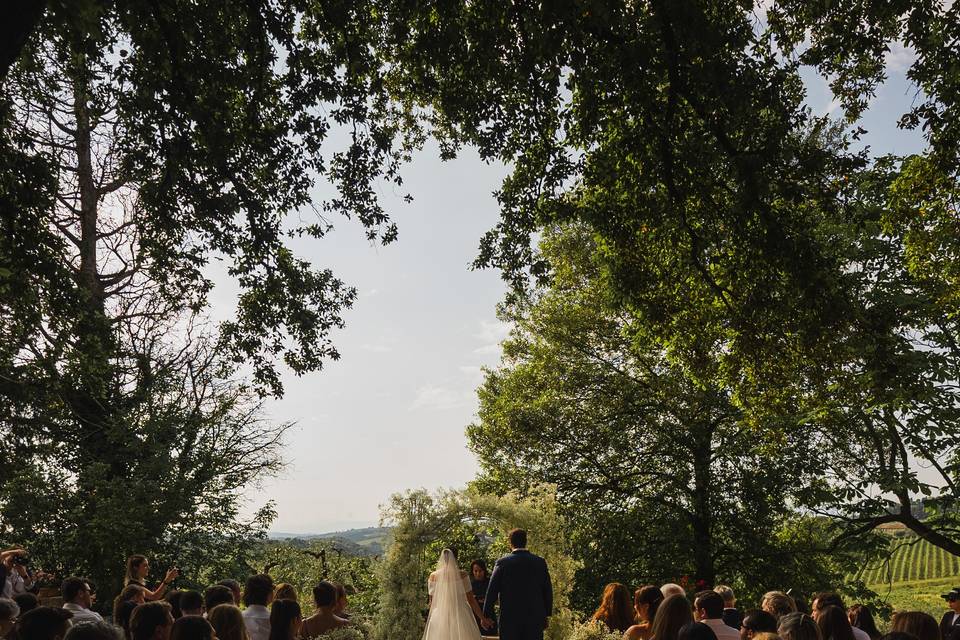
<point>451,602</point>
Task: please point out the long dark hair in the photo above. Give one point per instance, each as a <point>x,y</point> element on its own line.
<point>282,615</point>
<point>672,615</point>
<point>651,596</point>
<point>834,625</point>
<point>615,609</point>
<point>861,618</point>
<point>483,566</point>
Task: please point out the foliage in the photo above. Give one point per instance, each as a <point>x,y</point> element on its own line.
<point>733,226</point>
<point>304,565</point>
<point>424,524</point>
<point>659,477</point>
<point>593,630</point>
<point>345,633</point>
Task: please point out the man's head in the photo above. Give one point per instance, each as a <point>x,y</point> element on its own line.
<point>77,590</point>
<point>729,599</point>
<point>672,589</point>
<point>518,539</point>
<point>708,605</point>
<point>823,600</point>
<point>44,623</point>
<point>26,601</point>
<point>953,599</point>
<point>757,621</point>
<point>258,590</point>
<point>9,610</point>
<point>234,587</point>
<point>151,621</point>
<point>191,603</point>
<point>217,594</point>
<point>96,630</point>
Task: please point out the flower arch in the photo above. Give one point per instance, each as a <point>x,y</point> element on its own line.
<point>425,523</point>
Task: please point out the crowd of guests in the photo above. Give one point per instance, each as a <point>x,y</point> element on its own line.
<point>269,611</point>
<point>666,613</point>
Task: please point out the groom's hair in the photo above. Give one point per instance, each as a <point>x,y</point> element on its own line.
<point>518,538</point>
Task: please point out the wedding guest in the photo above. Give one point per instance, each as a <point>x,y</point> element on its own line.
<point>77,599</point>
<point>861,618</point>
<point>44,623</point>
<point>731,615</point>
<point>27,602</point>
<point>151,621</point>
<point>778,604</point>
<point>323,619</point>
<point>673,614</point>
<point>285,620</point>
<point>285,591</point>
<point>16,578</point>
<point>9,610</point>
<point>191,603</point>
<point>917,623</point>
<point>96,630</point>
<point>646,600</point>
<point>755,622</point>
<point>825,599</point>
<point>138,568</point>
<point>672,589</point>
<point>122,612</point>
<point>216,595</point>
<point>834,624</point>
<point>708,609</point>
<point>173,597</point>
<point>696,631</point>
<point>615,610</point>
<point>191,627</point>
<point>227,621</point>
<point>234,587</point>
<point>257,595</point>
<point>341,609</point>
<point>479,580</point>
<point>798,626</point>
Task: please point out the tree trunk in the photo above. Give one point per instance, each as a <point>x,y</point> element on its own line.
<point>701,515</point>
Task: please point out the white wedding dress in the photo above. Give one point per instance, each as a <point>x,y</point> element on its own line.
<point>450,615</point>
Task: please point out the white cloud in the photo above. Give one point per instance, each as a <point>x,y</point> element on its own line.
<point>473,372</point>
<point>438,398</point>
<point>376,348</point>
<point>369,293</point>
<point>488,349</point>
<point>899,58</point>
<point>492,331</point>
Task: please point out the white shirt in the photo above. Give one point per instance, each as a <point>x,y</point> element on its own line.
<point>81,614</point>
<point>14,585</point>
<point>257,619</point>
<point>859,634</point>
<point>721,630</point>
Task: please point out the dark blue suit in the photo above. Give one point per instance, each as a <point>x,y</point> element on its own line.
<point>521,582</point>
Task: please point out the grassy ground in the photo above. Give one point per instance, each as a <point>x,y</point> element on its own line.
<point>918,595</point>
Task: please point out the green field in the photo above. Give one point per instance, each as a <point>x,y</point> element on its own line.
<point>915,576</point>
<point>914,561</point>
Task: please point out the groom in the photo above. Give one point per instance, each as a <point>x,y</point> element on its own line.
<point>521,581</point>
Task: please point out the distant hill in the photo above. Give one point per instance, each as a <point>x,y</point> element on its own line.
<point>366,541</point>
<point>911,562</point>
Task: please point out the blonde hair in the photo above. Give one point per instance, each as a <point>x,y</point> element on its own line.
<point>285,591</point>
<point>227,621</point>
<point>778,604</point>
<point>133,566</point>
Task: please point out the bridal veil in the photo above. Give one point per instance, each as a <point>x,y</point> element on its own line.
<point>450,615</point>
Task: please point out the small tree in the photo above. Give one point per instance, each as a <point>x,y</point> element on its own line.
<point>423,524</point>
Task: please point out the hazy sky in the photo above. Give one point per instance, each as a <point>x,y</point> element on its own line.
<point>391,414</point>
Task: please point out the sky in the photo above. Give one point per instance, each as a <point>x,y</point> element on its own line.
<point>390,415</point>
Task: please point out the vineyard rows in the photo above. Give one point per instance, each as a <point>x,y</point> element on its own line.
<point>919,561</point>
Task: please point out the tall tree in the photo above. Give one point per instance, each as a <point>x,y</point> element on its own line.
<point>660,476</point>
<point>731,222</point>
